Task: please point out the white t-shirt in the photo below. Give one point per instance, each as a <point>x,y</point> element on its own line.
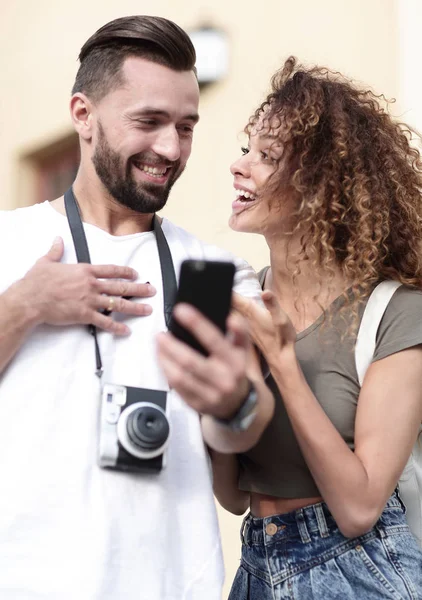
<point>68,529</point>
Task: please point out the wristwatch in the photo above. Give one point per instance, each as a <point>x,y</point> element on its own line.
<point>245,414</point>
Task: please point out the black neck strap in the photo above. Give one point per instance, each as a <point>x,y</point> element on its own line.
<point>82,253</point>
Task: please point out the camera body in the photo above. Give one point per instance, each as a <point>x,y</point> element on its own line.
<point>134,429</point>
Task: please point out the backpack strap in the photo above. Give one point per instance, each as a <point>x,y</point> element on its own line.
<point>371,319</point>
<point>410,482</point>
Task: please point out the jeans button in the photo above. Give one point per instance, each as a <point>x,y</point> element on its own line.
<point>271,528</point>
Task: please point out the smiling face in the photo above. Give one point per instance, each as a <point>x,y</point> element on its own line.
<point>254,210</point>
<point>142,133</point>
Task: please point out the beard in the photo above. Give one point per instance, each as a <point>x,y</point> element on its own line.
<point>141,197</point>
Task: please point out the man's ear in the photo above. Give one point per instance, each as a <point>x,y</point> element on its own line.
<point>81,114</point>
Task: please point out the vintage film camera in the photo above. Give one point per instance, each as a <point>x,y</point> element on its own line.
<point>134,429</point>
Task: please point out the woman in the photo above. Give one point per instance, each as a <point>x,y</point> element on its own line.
<point>334,186</point>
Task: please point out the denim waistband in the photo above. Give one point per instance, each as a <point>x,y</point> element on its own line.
<point>312,519</point>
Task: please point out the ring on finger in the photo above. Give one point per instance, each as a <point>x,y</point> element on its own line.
<point>111,303</point>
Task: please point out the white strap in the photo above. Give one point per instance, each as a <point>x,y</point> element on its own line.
<point>367,335</point>
<point>410,482</point>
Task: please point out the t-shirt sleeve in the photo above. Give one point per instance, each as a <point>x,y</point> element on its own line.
<point>262,275</point>
<point>401,325</point>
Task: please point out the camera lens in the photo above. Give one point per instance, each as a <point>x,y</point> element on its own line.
<point>148,428</point>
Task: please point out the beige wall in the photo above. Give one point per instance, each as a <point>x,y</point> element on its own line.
<point>409,60</point>
<point>39,44</point>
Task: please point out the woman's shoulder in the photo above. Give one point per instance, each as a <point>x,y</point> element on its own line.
<point>401,325</point>
<point>405,299</point>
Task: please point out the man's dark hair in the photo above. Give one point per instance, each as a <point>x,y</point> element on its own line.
<point>154,38</point>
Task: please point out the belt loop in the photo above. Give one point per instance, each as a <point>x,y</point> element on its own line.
<point>303,530</point>
<point>244,530</point>
<point>322,523</point>
<point>402,504</point>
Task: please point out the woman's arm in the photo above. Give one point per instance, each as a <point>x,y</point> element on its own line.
<point>355,485</point>
<point>225,482</point>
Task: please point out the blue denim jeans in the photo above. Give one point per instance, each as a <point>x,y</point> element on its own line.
<point>302,555</point>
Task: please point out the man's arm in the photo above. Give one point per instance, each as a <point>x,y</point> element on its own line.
<point>17,319</point>
<point>222,439</point>
<point>216,386</point>
<point>59,294</point>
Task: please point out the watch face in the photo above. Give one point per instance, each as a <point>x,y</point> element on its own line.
<point>249,409</point>
<point>247,421</point>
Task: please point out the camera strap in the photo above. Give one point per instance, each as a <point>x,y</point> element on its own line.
<point>82,253</point>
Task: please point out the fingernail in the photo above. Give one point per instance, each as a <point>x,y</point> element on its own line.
<point>57,239</point>
<point>147,309</point>
<point>151,289</point>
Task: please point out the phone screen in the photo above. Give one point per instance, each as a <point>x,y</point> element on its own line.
<point>207,285</point>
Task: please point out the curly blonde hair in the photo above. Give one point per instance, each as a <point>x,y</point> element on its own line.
<point>355,172</point>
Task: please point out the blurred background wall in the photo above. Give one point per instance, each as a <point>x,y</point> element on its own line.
<point>373,41</point>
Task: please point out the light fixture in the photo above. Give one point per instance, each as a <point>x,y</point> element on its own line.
<point>212,54</point>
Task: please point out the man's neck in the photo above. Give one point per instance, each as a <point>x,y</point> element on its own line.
<point>100,209</point>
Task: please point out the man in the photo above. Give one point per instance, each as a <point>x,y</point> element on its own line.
<point>70,530</point>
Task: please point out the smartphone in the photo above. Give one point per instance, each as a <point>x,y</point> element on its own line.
<point>207,285</point>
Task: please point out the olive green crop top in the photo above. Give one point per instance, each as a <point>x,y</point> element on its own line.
<point>276,466</point>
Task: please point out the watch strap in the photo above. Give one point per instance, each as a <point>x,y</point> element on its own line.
<point>245,414</point>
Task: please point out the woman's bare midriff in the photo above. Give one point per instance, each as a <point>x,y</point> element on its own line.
<point>266,506</point>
